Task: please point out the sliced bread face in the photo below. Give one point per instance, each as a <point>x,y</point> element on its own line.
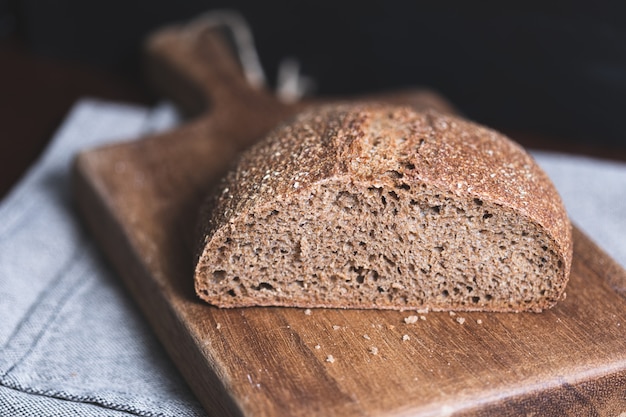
<point>372,206</point>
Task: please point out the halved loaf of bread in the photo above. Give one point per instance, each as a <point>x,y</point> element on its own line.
<point>372,206</point>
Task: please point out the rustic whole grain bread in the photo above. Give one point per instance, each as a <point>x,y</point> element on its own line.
<point>372,206</point>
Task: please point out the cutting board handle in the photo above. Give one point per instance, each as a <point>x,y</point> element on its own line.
<point>195,67</point>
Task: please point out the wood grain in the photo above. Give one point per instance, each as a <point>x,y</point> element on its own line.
<point>139,199</point>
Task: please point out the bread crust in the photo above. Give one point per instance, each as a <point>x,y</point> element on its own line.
<point>375,144</point>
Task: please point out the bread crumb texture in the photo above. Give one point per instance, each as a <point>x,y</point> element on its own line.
<point>372,206</point>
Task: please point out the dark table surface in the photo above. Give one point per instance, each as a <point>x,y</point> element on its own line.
<point>36,95</point>
<point>37,92</point>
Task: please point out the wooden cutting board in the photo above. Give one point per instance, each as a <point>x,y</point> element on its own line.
<point>139,199</point>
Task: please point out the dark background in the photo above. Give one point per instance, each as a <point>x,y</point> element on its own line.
<point>557,70</point>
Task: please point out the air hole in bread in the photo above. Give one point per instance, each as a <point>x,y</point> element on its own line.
<point>266,286</point>
<point>394,174</point>
<point>219,276</point>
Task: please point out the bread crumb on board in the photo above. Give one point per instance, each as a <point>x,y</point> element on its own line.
<point>218,326</point>
<point>318,347</point>
<point>460,320</point>
<point>411,319</point>
<point>330,358</point>
<point>479,321</point>
<point>335,327</point>
<point>307,312</point>
<point>366,337</point>
<point>406,337</point>
<point>374,350</point>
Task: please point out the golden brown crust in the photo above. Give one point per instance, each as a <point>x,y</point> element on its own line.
<point>445,152</point>
<point>467,158</point>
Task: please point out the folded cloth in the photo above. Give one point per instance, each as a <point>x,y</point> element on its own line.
<point>71,340</point>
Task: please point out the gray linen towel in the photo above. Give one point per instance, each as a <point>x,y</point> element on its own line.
<point>71,340</point>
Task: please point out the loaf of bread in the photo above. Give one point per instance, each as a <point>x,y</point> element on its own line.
<point>375,206</point>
